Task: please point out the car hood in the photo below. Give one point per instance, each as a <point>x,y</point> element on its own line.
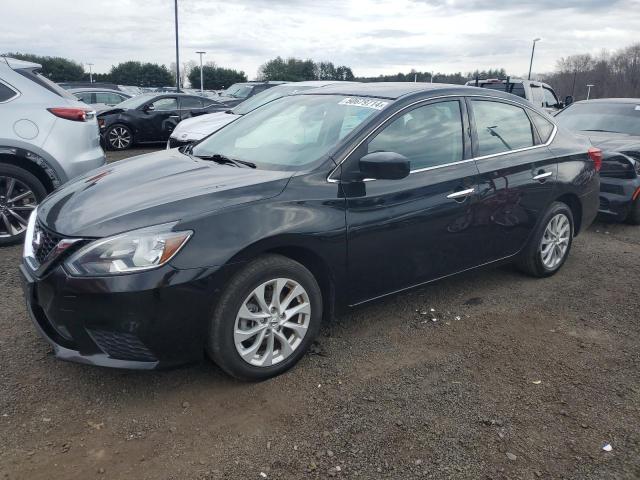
<point>614,142</point>
<point>202,125</point>
<point>152,189</point>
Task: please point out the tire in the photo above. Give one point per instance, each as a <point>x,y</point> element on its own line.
<point>119,137</point>
<point>533,260</point>
<point>238,311</point>
<point>633,217</point>
<point>15,182</point>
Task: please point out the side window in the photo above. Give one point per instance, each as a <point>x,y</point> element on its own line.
<point>6,93</point>
<point>550,100</point>
<point>428,136</point>
<point>84,97</point>
<point>500,127</point>
<point>188,103</point>
<point>108,98</point>
<point>544,126</point>
<point>169,103</point>
<point>536,95</point>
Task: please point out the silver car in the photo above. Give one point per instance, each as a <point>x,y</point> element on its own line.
<point>47,137</point>
<point>99,98</point>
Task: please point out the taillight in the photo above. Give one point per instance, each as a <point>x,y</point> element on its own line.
<point>71,113</point>
<point>595,154</point>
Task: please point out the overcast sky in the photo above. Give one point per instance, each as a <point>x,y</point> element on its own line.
<point>370,36</point>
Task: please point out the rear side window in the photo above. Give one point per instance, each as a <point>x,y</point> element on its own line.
<point>84,97</point>
<point>544,126</point>
<point>428,136</point>
<point>190,102</point>
<point>500,127</point>
<point>109,98</point>
<point>513,88</point>
<point>6,93</point>
<point>550,100</point>
<point>44,82</point>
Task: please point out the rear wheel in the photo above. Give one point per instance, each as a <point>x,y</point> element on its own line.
<point>550,244</point>
<point>265,319</point>
<point>119,137</point>
<point>633,217</point>
<point>20,193</point>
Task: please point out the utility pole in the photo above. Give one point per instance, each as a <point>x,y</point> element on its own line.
<point>201,80</point>
<point>175,2</point>
<point>533,49</point>
<point>90,73</point>
<point>589,90</point>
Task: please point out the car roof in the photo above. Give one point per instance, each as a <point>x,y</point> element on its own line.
<point>15,63</point>
<point>396,90</point>
<point>634,101</point>
<point>95,89</point>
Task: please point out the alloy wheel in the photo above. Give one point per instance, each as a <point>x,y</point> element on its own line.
<point>119,138</point>
<point>272,322</point>
<point>17,201</point>
<point>555,241</point>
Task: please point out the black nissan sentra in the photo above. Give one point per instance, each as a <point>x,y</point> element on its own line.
<point>241,245</point>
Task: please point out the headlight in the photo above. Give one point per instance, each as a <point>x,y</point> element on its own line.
<point>129,252</point>
<point>28,238</point>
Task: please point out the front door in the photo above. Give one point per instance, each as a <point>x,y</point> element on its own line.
<point>162,119</point>
<point>405,232</point>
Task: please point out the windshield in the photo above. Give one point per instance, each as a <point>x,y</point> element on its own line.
<point>135,102</point>
<point>267,96</point>
<point>291,132</point>
<point>238,91</point>
<point>600,116</point>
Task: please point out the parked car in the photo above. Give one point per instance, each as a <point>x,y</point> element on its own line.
<point>314,202</point>
<point>150,117</point>
<point>47,137</point>
<point>239,92</point>
<point>99,98</point>
<point>613,125</point>
<point>194,129</point>
<point>538,93</point>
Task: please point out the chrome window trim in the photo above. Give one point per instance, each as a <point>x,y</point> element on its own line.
<point>424,100</point>
<point>16,92</point>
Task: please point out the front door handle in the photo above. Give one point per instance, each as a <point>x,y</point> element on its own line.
<point>461,194</point>
<point>542,175</point>
<point>174,116</point>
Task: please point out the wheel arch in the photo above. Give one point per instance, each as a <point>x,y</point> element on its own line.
<point>33,164</point>
<point>574,203</point>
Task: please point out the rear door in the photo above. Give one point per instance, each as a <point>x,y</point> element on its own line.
<point>405,232</point>
<point>190,107</point>
<point>517,175</point>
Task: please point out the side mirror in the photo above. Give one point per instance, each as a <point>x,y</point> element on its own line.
<point>568,100</point>
<point>149,108</point>
<point>384,166</point>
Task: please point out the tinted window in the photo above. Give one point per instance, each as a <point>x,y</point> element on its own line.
<point>428,136</point>
<point>500,127</point>
<point>84,97</point>
<point>600,116</point>
<point>190,102</point>
<point>6,93</point>
<point>169,103</point>
<point>514,88</point>
<point>108,98</point>
<point>550,100</point>
<point>544,126</point>
<point>537,97</point>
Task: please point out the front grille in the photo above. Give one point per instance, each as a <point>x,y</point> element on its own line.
<point>122,346</point>
<point>47,242</point>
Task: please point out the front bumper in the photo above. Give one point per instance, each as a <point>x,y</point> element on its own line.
<point>147,320</point>
<point>616,197</point>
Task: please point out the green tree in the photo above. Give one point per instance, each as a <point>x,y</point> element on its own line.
<point>290,70</point>
<point>215,78</point>
<point>57,69</point>
<point>141,74</point>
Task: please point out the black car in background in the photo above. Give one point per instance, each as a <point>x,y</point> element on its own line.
<point>150,117</point>
<point>239,92</point>
<point>240,245</point>
<point>613,125</point>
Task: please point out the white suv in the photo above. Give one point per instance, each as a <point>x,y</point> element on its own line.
<point>47,137</point>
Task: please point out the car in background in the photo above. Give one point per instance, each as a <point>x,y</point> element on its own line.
<point>194,129</point>
<point>239,92</point>
<point>47,137</point>
<point>243,244</point>
<point>613,125</point>
<point>538,93</point>
<point>99,98</point>
<point>150,117</point>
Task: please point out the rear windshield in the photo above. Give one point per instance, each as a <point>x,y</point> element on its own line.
<point>35,76</point>
<point>514,88</point>
<point>602,117</point>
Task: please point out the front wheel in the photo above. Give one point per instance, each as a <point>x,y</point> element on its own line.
<point>265,319</point>
<point>119,137</point>
<point>549,246</point>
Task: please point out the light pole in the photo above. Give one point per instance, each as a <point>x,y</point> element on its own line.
<point>589,90</point>
<point>431,77</point>
<point>177,52</point>
<point>90,73</point>
<point>201,81</point>
<point>533,49</point>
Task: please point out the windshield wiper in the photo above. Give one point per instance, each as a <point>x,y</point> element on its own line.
<point>216,157</point>
<point>599,130</point>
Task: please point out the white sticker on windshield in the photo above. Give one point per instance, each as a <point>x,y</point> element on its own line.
<point>637,107</point>
<point>364,102</point>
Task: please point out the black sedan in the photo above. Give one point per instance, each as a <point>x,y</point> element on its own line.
<point>241,245</point>
<point>151,117</point>
<point>613,125</point>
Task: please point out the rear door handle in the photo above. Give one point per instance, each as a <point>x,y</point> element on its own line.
<point>542,176</point>
<point>460,194</point>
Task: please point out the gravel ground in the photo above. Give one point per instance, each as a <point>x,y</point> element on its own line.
<point>508,378</point>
